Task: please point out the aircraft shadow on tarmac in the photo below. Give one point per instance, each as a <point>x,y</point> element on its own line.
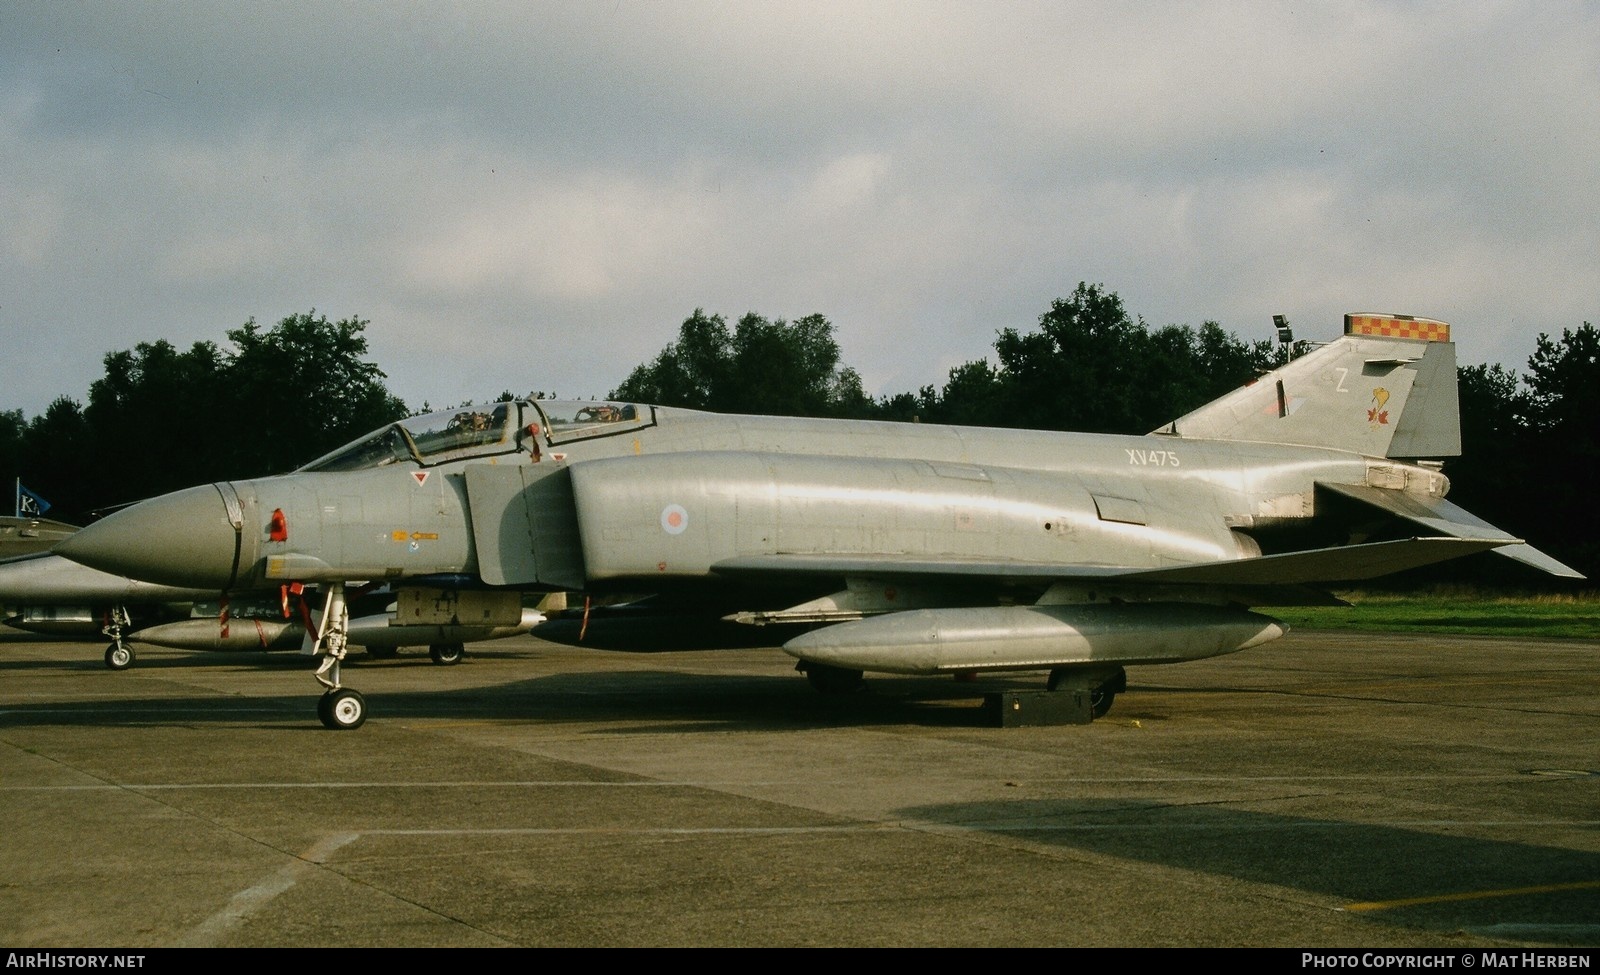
<point>1390,874</point>
<point>639,701</point>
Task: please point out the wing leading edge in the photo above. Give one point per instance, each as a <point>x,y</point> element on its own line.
<point>1341,564</point>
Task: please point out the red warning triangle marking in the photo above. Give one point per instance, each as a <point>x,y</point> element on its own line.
<point>421,477</point>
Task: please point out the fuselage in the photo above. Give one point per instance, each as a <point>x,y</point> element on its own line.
<point>656,497</point>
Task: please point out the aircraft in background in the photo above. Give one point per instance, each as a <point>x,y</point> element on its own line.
<point>383,634</point>
<point>24,534</point>
<point>45,593</point>
<point>905,548</point>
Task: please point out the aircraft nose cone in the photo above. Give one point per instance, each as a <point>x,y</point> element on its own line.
<point>186,538</point>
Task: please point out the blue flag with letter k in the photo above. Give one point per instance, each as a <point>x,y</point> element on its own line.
<point>29,503</point>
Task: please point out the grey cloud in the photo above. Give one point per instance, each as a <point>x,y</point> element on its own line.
<point>532,196</point>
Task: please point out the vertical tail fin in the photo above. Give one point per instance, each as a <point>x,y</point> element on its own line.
<point>1386,388</point>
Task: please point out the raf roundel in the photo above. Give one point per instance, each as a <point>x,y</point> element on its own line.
<point>674,519</point>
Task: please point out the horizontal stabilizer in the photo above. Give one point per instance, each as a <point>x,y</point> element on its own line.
<point>1342,564</point>
<point>1439,515</point>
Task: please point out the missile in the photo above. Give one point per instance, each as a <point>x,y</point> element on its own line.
<point>933,641</point>
<point>379,631</point>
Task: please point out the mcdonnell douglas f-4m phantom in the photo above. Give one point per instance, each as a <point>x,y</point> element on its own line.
<point>45,593</point>
<point>906,548</point>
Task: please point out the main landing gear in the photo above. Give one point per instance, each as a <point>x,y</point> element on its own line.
<point>446,654</point>
<point>341,708</point>
<point>1103,685</point>
<point>443,654</point>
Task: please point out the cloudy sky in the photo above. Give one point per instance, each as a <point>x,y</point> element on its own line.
<point>533,196</point>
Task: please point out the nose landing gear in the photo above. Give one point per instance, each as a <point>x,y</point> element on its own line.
<point>341,708</point>
<point>119,656</point>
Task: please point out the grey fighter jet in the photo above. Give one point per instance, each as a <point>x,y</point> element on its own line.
<point>381,634</point>
<point>45,593</point>
<point>902,548</point>
<point>25,534</point>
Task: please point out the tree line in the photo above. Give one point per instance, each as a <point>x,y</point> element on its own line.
<point>1089,366</point>
<point>161,418</point>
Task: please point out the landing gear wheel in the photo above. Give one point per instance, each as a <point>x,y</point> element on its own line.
<point>1101,693</point>
<point>342,710</point>
<point>833,680</point>
<point>119,656</point>
<point>446,654</point>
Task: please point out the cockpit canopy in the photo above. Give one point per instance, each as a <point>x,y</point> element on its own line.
<point>480,431</point>
<point>568,420</point>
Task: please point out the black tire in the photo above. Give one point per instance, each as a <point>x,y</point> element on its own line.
<point>446,654</point>
<point>119,656</point>
<point>342,710</point>
<point>1101,696</point>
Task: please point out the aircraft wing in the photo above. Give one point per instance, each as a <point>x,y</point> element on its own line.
<point>24,535</point>
<point>1340,564</point>
<point>47,579</point>
<point>1439,515</point>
